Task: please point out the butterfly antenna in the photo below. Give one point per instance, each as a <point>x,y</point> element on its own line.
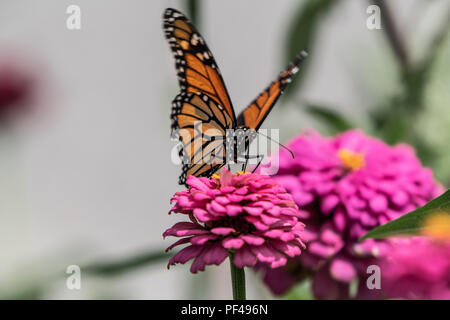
<point>280,144</point>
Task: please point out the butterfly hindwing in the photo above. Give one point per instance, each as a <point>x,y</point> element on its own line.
<point>200,124</point>
<point>253,116</point>
<point>198,170</point>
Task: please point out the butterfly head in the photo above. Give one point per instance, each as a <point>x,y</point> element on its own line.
<point>244,131</point>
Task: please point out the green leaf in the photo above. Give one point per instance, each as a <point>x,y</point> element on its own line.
<point>302,33</point>
<point>301,291</point>
<point>33,291</point>
<point>412,223</point>
<point>126,265</point>
<point>334,121</point>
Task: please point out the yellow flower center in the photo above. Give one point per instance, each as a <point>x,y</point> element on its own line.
<point>350,159</point>
<point>437,226</point>
<point>242,172</point>
<point>217,175</point>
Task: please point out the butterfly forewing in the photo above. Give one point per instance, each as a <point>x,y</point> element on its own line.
<point>195,64</point>
<point>253,116</point>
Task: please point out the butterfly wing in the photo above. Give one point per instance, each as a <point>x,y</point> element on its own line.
<point>202,112</point>
<point>201,126</point>
<point>198,170</point>
<point>253,116</point>
<point>194,62</point>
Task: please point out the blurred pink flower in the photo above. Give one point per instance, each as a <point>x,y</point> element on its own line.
<point>417,268</point>
<point>16,88</point>
<point>345,186</point>
<point>247,213</point>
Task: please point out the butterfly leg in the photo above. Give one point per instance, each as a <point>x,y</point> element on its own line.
<point>247,156</point>
<point>260,157</point>
<point>244,165</point>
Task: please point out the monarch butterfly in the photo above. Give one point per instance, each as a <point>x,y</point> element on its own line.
<point>203,104</point>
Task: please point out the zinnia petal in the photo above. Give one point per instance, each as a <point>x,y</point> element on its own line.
<point>244,258</point>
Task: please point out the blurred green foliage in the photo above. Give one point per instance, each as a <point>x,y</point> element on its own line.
<point>300,291</point>
<point>395,119</point>
<point>193,12</point>
<point>333,121</point>
<point>114,268</point>
<point>301,35</point>
<point>30,291</point>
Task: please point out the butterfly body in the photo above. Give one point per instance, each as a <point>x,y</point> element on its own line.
<point>203,117</point>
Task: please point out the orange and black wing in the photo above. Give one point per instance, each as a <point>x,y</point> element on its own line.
<point>194,62</point>
<point>253,116</point>
<point>201,129</point>
<point>202,112</point>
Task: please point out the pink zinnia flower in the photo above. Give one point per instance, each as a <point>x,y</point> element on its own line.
<point>345,186</point>
<point>247,213</point>
<point>417,268</point>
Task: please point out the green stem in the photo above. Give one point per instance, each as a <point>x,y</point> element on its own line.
<point>193,8</point>
<point>393,34</point>
<point>237,280</point>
